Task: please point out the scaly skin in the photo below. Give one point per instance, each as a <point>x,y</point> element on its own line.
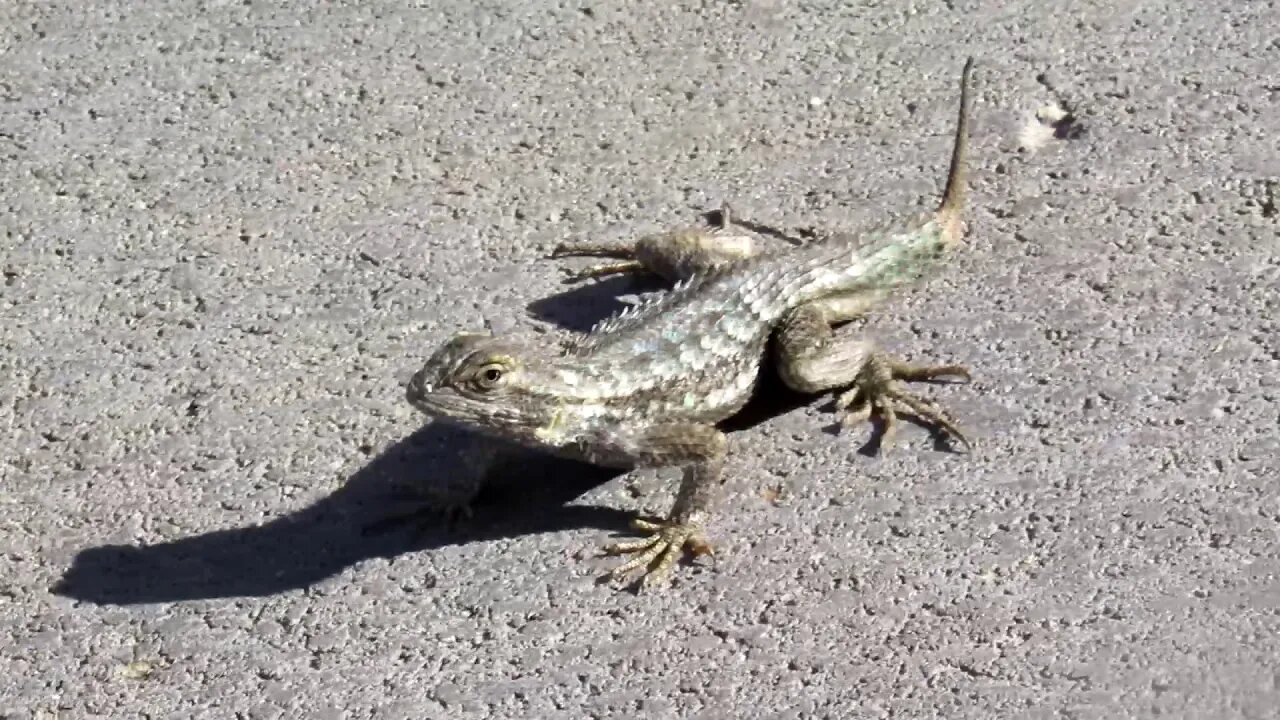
<point>647,387</point>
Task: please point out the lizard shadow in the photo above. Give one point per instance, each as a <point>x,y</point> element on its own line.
<point>323,539</point>
<point>875,447</point>
<point>317,542</point>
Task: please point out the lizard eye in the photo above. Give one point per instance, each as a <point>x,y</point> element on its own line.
<point>489,376</point>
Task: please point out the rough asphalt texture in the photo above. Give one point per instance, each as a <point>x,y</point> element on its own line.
<point>231,230</point>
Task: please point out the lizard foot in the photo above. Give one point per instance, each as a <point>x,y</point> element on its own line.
<point>878,392</point>
<point>665,544</point>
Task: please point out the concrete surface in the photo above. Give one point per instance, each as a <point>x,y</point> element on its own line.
<point>231,230</point>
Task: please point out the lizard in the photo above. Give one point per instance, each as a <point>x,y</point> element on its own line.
<point>648,386</point>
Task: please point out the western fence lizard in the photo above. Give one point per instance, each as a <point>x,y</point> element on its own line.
<point>647,387</point>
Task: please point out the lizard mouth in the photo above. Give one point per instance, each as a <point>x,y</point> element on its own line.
<point>441,403</point>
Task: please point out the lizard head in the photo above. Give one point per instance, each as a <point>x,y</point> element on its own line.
<point>474,379</point>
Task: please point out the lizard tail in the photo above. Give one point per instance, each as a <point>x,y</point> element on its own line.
<point>957,175</point>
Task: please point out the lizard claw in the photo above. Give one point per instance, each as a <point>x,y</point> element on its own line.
<point>665,543</point>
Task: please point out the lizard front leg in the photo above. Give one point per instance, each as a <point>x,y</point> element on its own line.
<point>700,450</point>
<point>673,255</point>
<point>811,360</point>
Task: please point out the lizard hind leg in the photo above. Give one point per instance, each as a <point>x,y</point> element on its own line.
<point>812,360</point>
<point>673,255</point>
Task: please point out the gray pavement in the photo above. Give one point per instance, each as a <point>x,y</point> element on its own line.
<point>231,230</point>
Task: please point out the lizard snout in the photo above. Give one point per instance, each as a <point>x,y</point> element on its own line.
<point>418,387</point>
